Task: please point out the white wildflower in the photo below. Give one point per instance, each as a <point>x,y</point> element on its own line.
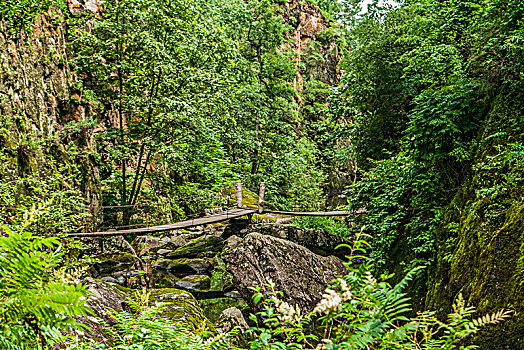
<point>346,292</point>
<point>331,300</point>
<point>370,279</point>
<point>286,311</point>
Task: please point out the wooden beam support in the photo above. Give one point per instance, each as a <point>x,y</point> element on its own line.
<point>261,193</point>
<point>239,194</point>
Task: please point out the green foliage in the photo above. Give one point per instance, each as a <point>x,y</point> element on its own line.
<point>359,312</point>
<point>37,300</point>
<point>167,72</point>
<point>500,175</point>
<point>19,15</point>
<point>147,330</point>
<point>45,206</point>
<point>332,225</point>
<point>420,79</point>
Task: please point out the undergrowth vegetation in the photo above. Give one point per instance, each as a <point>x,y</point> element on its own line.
<point>38,299</point>
<point>410,110</point>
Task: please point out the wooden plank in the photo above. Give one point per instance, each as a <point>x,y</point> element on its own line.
<point>230,214</point>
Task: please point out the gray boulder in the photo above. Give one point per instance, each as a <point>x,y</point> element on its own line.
<point>318,241</point>
<point>230,318</point>
<point>296,271</point>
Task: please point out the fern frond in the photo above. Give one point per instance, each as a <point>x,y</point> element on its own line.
<point>494,318</point>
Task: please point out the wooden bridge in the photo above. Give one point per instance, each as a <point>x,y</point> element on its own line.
<point>233,213</point>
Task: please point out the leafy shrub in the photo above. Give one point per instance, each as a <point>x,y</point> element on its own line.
<point>44,206</point>
<point>37,301</point>
<point>359,312</point>
<point>149,331</point>
<point>332,225</point>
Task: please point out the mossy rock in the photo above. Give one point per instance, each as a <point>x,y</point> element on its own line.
<point>181,307</point>
<point>207,246</point>
<point>186,265</point>
<point>481,242</point>
<point>213,307</point>
<point>221,280</point>
<point>200,283</point>
<point>165,279</point>
<point>111,263</point>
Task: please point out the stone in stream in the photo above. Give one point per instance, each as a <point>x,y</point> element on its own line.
<point>296,271</point>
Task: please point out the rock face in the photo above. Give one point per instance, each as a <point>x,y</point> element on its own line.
<point>309,26</point>
<point>485,260</point>
<point>38,101</point>
<point>318,241</point>
<point>300,274</point>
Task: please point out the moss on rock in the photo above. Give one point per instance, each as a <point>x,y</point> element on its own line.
<point>207,246</point>
<point>481,241</point>
<point>182,307</point>
<point>199,283</point>
<point>213,307</point>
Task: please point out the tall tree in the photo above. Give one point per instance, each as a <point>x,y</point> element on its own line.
<point>159,69</point>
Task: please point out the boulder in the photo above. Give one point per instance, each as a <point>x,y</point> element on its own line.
<point>103,296</point>
<point>300,274</point>
<point>194,282</point>
<point>207,246</point>
<point>318,241</point>
<point>230,318</point>
<point>105,299</point>
<point>186,266</point>
<point>181,306</point>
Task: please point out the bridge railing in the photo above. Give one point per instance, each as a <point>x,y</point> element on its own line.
<point>117,217</point>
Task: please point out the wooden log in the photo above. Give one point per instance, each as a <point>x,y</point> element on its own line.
<point>261,197</point>
<point>239,194</point>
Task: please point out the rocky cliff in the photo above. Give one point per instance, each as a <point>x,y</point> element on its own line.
<point>481,241</point>
<point>43,126</point>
